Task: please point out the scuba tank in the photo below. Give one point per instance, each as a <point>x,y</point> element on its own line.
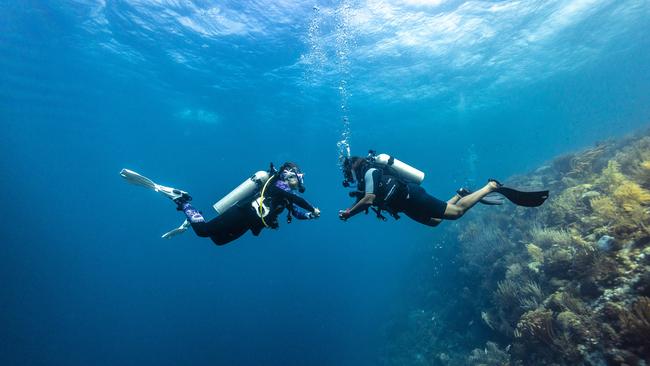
<point>244,190</point>
<point>403,170</point>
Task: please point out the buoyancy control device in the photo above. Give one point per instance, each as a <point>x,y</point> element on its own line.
<point>396,171</point>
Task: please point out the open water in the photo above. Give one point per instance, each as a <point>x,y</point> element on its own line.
<point>199,94</point>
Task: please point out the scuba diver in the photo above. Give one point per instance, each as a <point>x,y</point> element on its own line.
<point>385,183</point>
<point>253,205</point>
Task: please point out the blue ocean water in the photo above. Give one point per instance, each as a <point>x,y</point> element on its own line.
<point>200,94</point>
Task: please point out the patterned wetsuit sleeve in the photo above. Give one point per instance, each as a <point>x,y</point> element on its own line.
<point>371,177</point>
<point>299,213</point>
<point>292,198</point>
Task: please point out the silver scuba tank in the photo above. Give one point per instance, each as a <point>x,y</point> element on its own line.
<point>244,190</point>
<point>404,170</point>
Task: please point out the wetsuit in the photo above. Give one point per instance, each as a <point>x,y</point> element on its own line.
<point>243,217</point>
<point>395,196</point>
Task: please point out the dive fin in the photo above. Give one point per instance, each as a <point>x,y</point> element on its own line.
<point>137,179</point>
<point>492,200</point>
<point>172,193</point>
<point>140,180</point>
<point>521,198</point>
<point>179,230</point>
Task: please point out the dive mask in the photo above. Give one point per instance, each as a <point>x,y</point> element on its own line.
<point>294,173</point>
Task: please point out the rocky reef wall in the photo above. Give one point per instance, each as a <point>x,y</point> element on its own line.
<point>567,283</point>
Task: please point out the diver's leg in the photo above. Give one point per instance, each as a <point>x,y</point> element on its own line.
<point>222,229</point>
<point>196,219</point>
<point>454,199</point>
<point>472,198</point>
<point>458,209</point>
<point>423,207</point>
<point>231,225</point>
<point>433,222</point>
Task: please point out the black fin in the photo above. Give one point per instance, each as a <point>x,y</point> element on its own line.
<point>492,200</point>
<point>521,198</point>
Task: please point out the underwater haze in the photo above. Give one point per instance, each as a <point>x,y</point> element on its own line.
<point>200,94</point>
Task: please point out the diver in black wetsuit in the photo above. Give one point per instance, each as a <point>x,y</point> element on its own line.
<point>380,189</point>
<point>281,192</point>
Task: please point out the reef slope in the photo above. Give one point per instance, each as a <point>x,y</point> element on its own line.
<point>567,283</point>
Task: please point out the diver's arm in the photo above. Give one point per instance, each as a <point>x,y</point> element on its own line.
<point>361,205</point>
<point>294,199</point>
<point>370,177</point>
<point>302,214</point>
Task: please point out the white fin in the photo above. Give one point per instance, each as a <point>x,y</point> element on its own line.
<point>140,180</point>
<point>137,179</point>
<point>179,230</point>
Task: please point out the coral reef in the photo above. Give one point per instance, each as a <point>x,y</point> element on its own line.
<point>565,284</point>
<point>490,355</point>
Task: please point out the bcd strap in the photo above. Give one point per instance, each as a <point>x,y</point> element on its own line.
<point>378,211</point>
<point>289,207</point>
<point>261,209</point>
<point>379,215</point>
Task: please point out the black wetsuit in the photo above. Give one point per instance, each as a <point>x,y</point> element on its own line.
<point>242,216</point>
<point>396,196</point>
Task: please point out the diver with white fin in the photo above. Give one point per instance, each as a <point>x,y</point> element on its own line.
<point>387,184</point>
<point>253,205</point>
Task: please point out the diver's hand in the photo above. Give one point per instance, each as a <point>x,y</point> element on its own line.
<point>344,214</point>
<point>316,213</point>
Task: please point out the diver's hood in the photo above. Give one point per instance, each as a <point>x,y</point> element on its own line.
<point>294,170</point>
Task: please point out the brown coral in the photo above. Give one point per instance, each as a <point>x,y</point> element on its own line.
<point>642,173</point>
<point>513,294</point>
<point>625,208</point>
<point>563,301</point>
<point>635,321</point>
<point>582,164</point>
<point>537,325</point>
<point>604,208</point>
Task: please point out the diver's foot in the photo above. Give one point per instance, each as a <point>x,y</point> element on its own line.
<point>182,198</point>
<point>494,184</point>
<point>179,197</point>
<point>490,199</point>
